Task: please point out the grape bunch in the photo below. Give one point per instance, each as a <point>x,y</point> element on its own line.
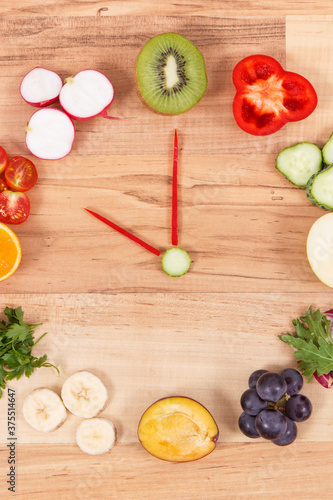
<point>272,405</point>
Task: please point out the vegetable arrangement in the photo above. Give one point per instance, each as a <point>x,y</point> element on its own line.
<point>20,175</point>
<point>267,96</point>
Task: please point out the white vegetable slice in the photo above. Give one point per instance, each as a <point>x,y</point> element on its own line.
<point>40,87</point>
<point>84,394</point>
<point>320,249</point>
<point>44,410</point>
<point>176,262</point>
<point>86,95</point>
<point>50,134</point>
<point>96,436</point>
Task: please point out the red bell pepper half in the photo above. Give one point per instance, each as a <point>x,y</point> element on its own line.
<point>267,96</point>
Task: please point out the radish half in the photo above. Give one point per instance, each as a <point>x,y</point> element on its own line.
<point>40,87</point>
<point>50,134</point>
<point>86,95</point>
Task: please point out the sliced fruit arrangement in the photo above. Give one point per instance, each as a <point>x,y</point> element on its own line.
<point>178,429</point>
<point>84,394</point>
<point>16,344</point>
<point>20,175</point>
<point>313,345</point>
<point>175,261</point>
<point>10,253</point>
<point>267,96</point>
<point>50,132</point>
<point>41,87</point>
<point>44,410</point>
<point>171,74</point>
<point>302,164</point>
<point>96,436</point>
<point>272,405</point>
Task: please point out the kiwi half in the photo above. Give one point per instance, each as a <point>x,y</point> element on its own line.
<point>171,73</point>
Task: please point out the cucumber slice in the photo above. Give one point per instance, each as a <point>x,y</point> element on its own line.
<point>319,248</point>
<point>298,163</point>
<point>328,151</point>
<point>319,189</point>
<point>176,262</point>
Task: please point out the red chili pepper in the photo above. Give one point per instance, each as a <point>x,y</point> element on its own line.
<point>174,229</point>
<point>125,233</point>
<point>267,96</point>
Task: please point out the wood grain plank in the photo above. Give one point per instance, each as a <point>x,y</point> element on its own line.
<point>111,45</point>
<point>310,53</point>
<point>243,224</point>
<point>167,7</point>
<point>242,471</point>
<point>148,346</point>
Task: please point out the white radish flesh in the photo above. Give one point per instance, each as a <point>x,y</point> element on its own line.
<point>320,249</point>
<point>40,87</point>
<point>44,410</point>
<point>96,436</point>
<point>86,95</point>
<point>50,134</point>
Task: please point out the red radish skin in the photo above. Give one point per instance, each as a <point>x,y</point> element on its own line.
<point>129,235</point>
<point>40,87</point>
<point>44,144</point>
<point>93,86</point>
<point>174,230</point>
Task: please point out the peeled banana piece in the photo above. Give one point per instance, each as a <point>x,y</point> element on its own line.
<point>44,410</point>
<point>84,394</point>
<point>96,436</point>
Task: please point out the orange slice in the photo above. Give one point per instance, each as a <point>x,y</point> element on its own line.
<point>10,252</point>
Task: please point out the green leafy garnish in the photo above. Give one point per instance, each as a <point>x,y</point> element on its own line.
<point>16,343</point>
<point>312,342</point>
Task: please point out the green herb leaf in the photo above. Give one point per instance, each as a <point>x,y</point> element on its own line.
<point>312,342</point>
<point>16,343</point>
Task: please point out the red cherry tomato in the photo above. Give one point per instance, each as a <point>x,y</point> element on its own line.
<point>3,160</point>
<point>14,207</point>
<point>267,96</point>
<point>3,186</point>
<point>20,174</point>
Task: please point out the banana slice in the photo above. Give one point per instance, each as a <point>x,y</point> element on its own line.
<point>44,410</point>
<point>84,394</point>
<point>96,436</point>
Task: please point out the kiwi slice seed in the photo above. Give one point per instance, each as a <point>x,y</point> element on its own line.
<point>171,73</point>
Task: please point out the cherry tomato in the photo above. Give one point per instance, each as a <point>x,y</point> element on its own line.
<point>3,186</point>
<point>20,174</point>
<point>14,207</point>
<point>267,96</point>
<point>3,160</point>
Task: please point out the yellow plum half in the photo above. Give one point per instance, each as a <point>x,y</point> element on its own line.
<point>178,429</point>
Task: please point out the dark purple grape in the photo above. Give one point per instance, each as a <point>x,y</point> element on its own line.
<point>289,436</point>
<point>271,386</point>
<point>294,380</point>
<point>254,377</point>
<point>251,403</point>
<point>271,424</point>
<point>246,423</point>
<point>298,407</point>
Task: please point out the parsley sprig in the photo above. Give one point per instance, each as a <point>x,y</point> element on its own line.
<point>16,343</point>
<point>313,343</point>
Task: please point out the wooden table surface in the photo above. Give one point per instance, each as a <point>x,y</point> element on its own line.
<point>106,304</point>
